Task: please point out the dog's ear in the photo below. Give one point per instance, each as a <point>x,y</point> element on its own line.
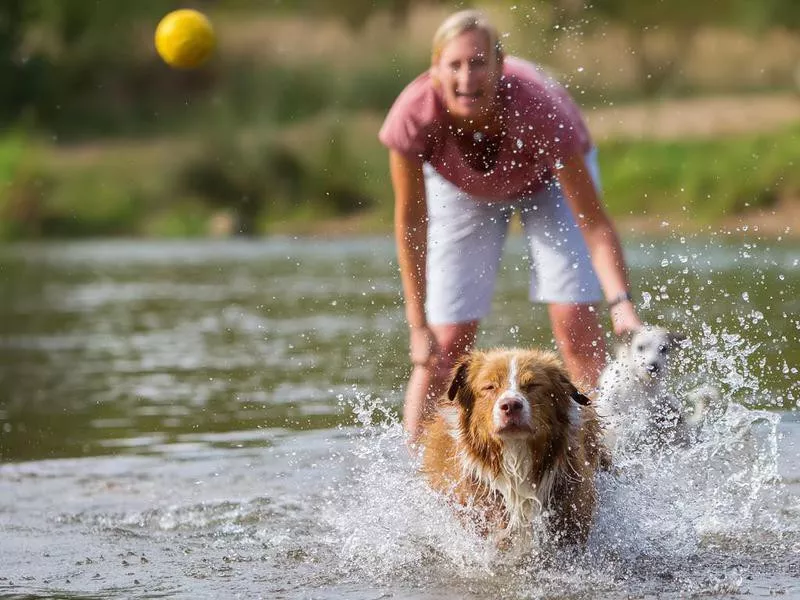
<point>573,392</point>
<point>626,337</point>
<point>623,346</point>
<point>570,390</point>
<point>459,386</point>
<point>581,399</point>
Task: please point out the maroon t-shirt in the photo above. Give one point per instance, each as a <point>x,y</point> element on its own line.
<point>543,126</point>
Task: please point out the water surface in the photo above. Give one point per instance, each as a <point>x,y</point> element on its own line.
<point>219,419</point>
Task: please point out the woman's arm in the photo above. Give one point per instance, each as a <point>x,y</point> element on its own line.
<point>601,239</point>
<point>411,238</point>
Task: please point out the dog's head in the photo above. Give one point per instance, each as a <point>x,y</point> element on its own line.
<point>513,394</point>
<point>648,351</point>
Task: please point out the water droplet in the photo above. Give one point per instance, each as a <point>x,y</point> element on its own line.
<point>647,297</point>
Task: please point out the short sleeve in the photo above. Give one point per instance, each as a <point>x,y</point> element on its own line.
<point>409,126</point>
<point>557,127</point>
<point>559,131</point>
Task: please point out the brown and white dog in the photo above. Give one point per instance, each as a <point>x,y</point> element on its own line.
<point>514,440</point>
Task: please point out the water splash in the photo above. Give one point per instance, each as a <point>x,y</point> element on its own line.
<point>662,514</point>
<point>390,521</point>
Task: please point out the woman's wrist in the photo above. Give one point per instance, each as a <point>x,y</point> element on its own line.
<point>624,296</point>
<point>415,316</point>
<point>417,322</point>
<point>624,318</point>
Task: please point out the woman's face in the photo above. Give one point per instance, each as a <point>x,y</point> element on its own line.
<point>468,72</point>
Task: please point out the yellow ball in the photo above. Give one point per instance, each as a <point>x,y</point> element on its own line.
<point>185,38</point>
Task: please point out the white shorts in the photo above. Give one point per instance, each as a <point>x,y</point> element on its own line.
<point>465,244</point>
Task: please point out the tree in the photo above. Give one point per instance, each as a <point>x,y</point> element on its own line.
<point>54,50</point>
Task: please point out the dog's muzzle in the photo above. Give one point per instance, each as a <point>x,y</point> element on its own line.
<point>510,410</point>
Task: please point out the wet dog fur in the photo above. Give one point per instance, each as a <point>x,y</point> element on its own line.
<point>634,400</point>
<point>514,440</point>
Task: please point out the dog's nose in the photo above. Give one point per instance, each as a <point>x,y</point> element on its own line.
<point>511,406</point>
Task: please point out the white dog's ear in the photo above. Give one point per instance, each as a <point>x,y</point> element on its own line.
<point>624,341</point>
<point>622,348</point>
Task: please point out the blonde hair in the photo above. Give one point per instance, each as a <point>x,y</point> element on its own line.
<point>461,22</point>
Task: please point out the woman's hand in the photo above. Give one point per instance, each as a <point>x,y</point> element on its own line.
<point>624,318</point>
<point>423,346</point>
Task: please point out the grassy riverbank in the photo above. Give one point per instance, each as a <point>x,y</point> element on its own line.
<point>330,173</point>
<point>278,133</point>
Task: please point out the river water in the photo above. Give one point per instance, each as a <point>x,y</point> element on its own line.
<point>199,419</point>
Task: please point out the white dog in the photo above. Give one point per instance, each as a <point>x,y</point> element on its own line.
<point>633,397</point>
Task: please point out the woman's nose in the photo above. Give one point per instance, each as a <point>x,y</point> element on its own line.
<point>466,78</point>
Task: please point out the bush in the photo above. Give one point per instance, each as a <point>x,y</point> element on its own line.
<point>22,190</point>
<point>91,204</point>
<point>245,178</point>
<point>269,180</point>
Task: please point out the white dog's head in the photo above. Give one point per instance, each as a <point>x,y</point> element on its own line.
<point>648,351</point>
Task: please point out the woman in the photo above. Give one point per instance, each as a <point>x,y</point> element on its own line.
<point>474,139</point>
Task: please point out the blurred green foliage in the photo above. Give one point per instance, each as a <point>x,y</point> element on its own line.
<point>56,52</point>
<point>85,75</point>
<point>682,19</point>
<point>701,178</point>
<point>83,68</point>
<point>268,179</point>
<point>22,187</point>
<point>268,185</point>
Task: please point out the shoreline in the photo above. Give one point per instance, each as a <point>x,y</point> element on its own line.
<point>781,221</point>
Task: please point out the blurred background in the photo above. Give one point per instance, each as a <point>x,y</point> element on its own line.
<point>694,105</point>
<point>189,417</point>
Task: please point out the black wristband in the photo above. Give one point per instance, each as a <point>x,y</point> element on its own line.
<point>620,298</point>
